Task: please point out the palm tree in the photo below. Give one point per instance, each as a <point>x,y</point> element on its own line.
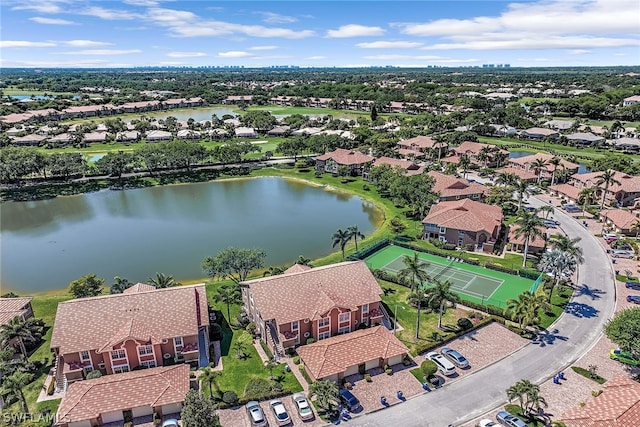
<point>465,163</point>
<point>162,281</point>
<point>569,245</point>
<point>507,179</point>
<point>499,157</point>
<point>8,363</point>
<point>326,395</point>
<point>587,196</point>
<point>119,285</point>
<point>521,187</point>
<point>534,399</point>
<point>302,260</point>
<point>440,295</point>
<point>538,165</point>
<point>209,376</point>
<point>547,209</point>
<point>414,268</point>
<point>607,178</point>
<point>485,154</point>
<point>518,391</point>
<point>555,162</point>
<point>273,271</point>
<point>355,234</point>
<point>528,395</point>
<point>228,294</point>
<point>529,227</point>
<point>270,365</point>
<point>341,238</point>
<point>20,330</point>
<point>558,263</point>
<point>13,386</point>
<point>418,298</point>
<point>525,309</point>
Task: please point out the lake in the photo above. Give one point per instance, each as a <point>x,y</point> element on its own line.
<point>169,229</point>
<point>582,167</point>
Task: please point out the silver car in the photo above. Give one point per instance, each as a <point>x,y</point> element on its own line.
<point>303,406</point>
<point>280,412</point>
<point>256,415</point>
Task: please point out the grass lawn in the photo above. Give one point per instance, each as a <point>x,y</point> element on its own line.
<point>282,110</point>
<point>12,91</point>
<point>559,300</point>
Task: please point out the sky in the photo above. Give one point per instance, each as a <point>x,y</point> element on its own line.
<point>135,33</point>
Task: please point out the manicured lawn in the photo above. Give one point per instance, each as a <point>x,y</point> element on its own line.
<point>559,300</point>
<point>12,91</point>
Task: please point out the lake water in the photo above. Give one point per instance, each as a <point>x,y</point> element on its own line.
<point>37,97</point>
<point>169,229</point>
<point>582,167</point>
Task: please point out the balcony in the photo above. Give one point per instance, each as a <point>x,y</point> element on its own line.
<point>288,338</point>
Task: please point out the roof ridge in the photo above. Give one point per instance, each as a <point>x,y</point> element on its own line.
<point>172,288</point>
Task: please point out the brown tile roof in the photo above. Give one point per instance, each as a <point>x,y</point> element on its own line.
<point>617,406</point>
<point>153,387</point>
<point>310,294</point>
<point>470,147</point>
<point>628,183</point>
<point>420,141</point>
<point>540,131</point>
<point>538,242</point>
<point>12,307</point>
<point>522,161</point>
<point>139,287</point>
<point>451,159</point>
<point>450,186</point>
<point>520,173</point>
<point>94,323</point>
<point>571,191</point>
<point>297,268</point>
<point>409,167</point>
<point>346,157</point>
<point>622,219</point>
<point>334,355</point>
<point>406,152</point>
<point>465,214</point>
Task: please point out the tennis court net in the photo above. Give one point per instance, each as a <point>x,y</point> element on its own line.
<point>444,270</point>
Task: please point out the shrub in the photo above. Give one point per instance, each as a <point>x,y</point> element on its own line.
<point>94,374</point>
<point>428,368</point>
<point>256,388</point>
<point>388,371</point>
<point>407,361</point>
<point>465,323</point>
<point>310,340</point>
<point>296,360</point>
<point>51,387</point>
<point>277,386</point>
<point>212,364</point>
<point>347,385</point>
<point>596,393</point>
<point>365,187</point>
<point>192,374</point>
<point>252,328</point>
<point>229,397</point>
<point>361,369</point>
<point>367,378</point>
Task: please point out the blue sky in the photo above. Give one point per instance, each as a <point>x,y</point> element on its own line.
<point>127,33</point>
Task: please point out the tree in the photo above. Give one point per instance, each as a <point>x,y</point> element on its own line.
<point>198,411</point>
<point>418,298</point>
<point>521,188</point>
<point>88,285</point>
<point>518,391</point>
<point>465,163</point>
<point>115,163</point>
<point>529,227</point>
<point>555,162</point>
<point>209,377</point>
<point>607,179</point>
<point>507,179</point>
<point>302,260</point>
<point>163,281</point>
<point>528,395</point>
<point>270,365</point>
<point>558,263</point>
<point>274,271</point>
<point>546,209</point>
<point>341,238</point>
<point>440,295</point>
<point>22,331</point>
<point>14,384</point>
<point>415,268</point>
<point>526,308</point>
<point>538,165</point>
<point>636,227</point>
<point>119,285</point>
<point>566,244</point>
<point>624,330</point>
<point>355,234</point>
<point>228,294</point>
<point>241,345</point>
<point>234,263</point>
<point>587,196</point>
<point>326,394</point>
<point>374,113</point>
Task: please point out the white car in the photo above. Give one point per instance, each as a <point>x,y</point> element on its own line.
<point>488,423</point>
<point>280,412</point>
<point>303,406</point>
<point>444,365</point>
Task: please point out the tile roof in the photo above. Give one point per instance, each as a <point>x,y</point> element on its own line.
<point>420,141</point>
<point>522,161</point>
<point>310,294</point>
<point>409,167</point>
<point>622,219</point>
<point>540,131</point>
<point>538,242</point>
<point>12,307</point>
<point>520,173</point>
<point>346,157</point>
<point>334,355</point>
<point>628,183</point>
<point>617,406</point>
<point>408,152</point>
<point>94,323</point>
<point>139,287</point>
<point>470,147</point>
<point>449,185</point>
<point>571,191</point>
<point>465,214</point>
<point>297,268</point>
<point>153,387</point>
<point>584,136</point>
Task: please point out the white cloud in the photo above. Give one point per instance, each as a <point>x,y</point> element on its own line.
<point>86,43</point>
<point>186,54</point>
<point>41,6</point>
<point>531,41</point>
<point>355,30</point>
<point>579,51</point>
<point>429,58</point>
<point>276,18</point>
<point>108,14</point>
<point>171,63</point>
<point>389,45</point>
<point>75,63</point>
<point>263,47</point>
<point>234,54</point>
<point>316,57</point>
<point>51,21</point>
<point>147,3</point>
<point>104,52</point>
<point>24,43</point>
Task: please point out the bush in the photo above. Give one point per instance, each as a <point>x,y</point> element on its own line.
<point>94,374</point>
<point>367,378</point>
<point>465,323</point>
<point>229,397</point>
<point>192,374</point>
<point>310,340</point>
<point>428,368</point>
<point>388,371</point>
<point>51,387</point>
<point>256,388</point>
<point>347,385</point>
<point>596,393</point>
<point>407,361</point>
<point>296,360</point>
<point>365,187</point>
<point>252,329</point>
<point>361,370</point>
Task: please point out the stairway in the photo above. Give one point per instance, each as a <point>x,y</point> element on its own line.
<point>60,379</point>
<point>273,336</point>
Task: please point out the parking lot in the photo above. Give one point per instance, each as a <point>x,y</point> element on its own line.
<point>237,417</point>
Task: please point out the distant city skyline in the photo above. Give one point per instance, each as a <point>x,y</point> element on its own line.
<point>146,33</point>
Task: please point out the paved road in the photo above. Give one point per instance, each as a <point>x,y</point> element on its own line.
<point>570,337</point>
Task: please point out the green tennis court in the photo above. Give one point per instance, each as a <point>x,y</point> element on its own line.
<point>470,282</point>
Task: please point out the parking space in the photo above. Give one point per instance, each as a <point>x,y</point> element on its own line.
<point>237,417</point>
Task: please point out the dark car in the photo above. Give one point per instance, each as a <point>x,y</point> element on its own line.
<point>632,285</point>
<point>506,419</point>
<point>349,400</point>
<point>634,299</point>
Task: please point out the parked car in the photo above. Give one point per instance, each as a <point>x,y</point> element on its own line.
<point>444,365</point>
<point>612,239</point>
<point>349,400</point>
<point>488,423</point>
<point>280,412</point>
<point>529,208</point>
<point>633,298</point>
<point>459,360</point>
<point>506,419</point>
<point>255,413</point>
<point>624,357</point>
<point>302,405</point>
<point>550,224</point>
<point>632,285</point>
<point>620,253</point>
<point>607,235</point>
<point>172,422</point>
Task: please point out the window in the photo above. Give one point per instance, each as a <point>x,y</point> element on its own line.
<point>443,230</point>
<point>120,369</point>
<point>458,197</point>
<point>87,369</point>
<point>324,335</point>
<point>148,363</point>
<point>84,356</point>
<point>294,325</point>
<point>365,310</point>
<point>344,317</point>
<point>344,330</point>
<point>476,196</point>
<point>118,354</point>
<point>143,350</point>
<point>178,341</point>
<point>325,321</point>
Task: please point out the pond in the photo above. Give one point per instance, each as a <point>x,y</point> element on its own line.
<point>582,167</point>
<point>169,229</point>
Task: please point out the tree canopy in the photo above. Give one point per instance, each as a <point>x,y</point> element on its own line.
<point>88,285</point>
<point>624,330</point>
<point>234,263</point>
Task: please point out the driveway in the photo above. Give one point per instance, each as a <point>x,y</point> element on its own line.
<point>567,340</point>
<point>237,417</point>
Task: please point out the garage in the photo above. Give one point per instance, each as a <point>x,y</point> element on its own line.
<point>351,370</point>
<point>112,416</point>
<point>333,378</point>
<point>371,364</point>
<point>395,360</point>
<point>141,411</point>
<point>172,408</point>
<point>85,423</point>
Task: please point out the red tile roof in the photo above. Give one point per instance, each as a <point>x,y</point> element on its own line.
<point>522,161</point>
<point>538,242</point>
<point>568,190</point>
<point>473,148</point>
<point>94,323</point>
<point>297,268</point>
<point>310,294</point>
<point>520,173</point>
<point>346,157</point>
<point>465,214</point>
<point>139,287</point>
<point>406,152</point>
<point>628,183</point>
<point>153,387</point>
<point>409,167</point>
<point>12,307</point>
<point>420,141</point>
<point>450,186</point>
<point>334,355</point>
<point>622,219</point>
<point>617,406</point>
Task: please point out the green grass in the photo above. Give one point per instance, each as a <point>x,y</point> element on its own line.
<point>585,373</point>
<point>517,411</point>
<point>278,110</point>
<point>12,91</point>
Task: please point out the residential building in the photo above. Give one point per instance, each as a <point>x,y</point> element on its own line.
<point>623,194</point>
<point>245,132</point>
<point>584,138</point>
<point>94,137</point>
<point>559,124</point>
<point>464,222</point>
<point>116,398</point>
<point>409,167</point>
<point>630,145</point>
<point>629,101</point>
<point>527,163</point>
<point>424,144</point>
<point>451,188</point>
<point>238,99</point>
<point>621,221</point>
<point>15,307</point>
<point>158,135</point>
<point>318,303</point>
<point>538,134</point>
<point>472,151</point>
<point>355,161</point>
<point>142,327</point>
<point>536,246</point>
<point>189,134</point>
<point>338,357</point>
<point>31,140</point>
<point>127,136</point>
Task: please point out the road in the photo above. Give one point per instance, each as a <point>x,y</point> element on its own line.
<point>569,338</point>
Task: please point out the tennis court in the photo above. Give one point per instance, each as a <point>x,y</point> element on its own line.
<point>470,282</point>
